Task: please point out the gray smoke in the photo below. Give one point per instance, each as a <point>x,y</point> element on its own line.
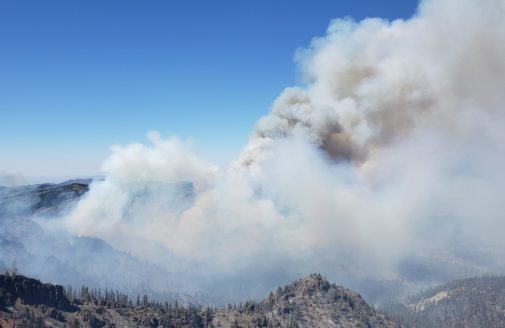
<point>386,165</point>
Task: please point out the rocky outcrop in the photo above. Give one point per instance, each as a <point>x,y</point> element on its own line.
<point>308,302</point>
<point>32,292</point>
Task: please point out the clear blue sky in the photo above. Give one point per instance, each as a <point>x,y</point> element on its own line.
<point>79,75</point>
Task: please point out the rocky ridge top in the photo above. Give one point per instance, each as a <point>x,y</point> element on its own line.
<point>309,302</point>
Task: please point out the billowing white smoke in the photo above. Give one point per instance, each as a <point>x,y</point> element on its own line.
<point>388,159</point>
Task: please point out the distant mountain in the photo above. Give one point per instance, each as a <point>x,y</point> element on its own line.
<point>41,199</point>
<point>308,302</point>
<point>472,302</point>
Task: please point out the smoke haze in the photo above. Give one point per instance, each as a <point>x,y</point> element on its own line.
<point>385,165</point>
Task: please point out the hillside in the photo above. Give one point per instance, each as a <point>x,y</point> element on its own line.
<point>472,302</point>
<point>56,255</point>
<point>308,302</point>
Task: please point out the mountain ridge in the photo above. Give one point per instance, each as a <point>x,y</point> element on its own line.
<point>308,302</point>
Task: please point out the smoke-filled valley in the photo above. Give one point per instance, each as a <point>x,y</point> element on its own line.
<point>383,171</point>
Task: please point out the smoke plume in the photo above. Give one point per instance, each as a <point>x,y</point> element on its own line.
<point>385,165</point>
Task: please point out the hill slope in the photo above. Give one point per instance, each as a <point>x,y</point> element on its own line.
<point>58,256</point>
<point>472,302</point>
